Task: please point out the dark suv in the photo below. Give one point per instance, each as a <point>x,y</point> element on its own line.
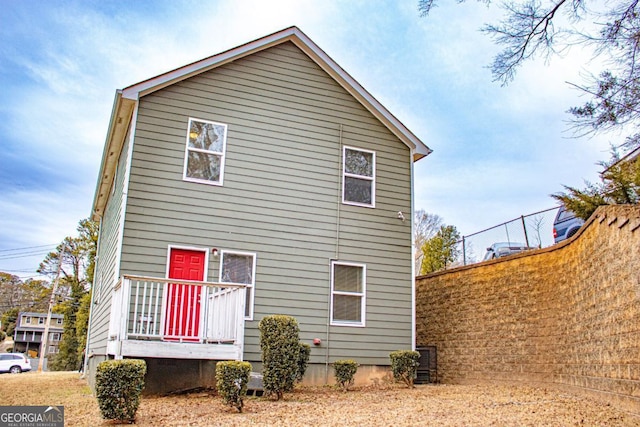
<point>566,224</point>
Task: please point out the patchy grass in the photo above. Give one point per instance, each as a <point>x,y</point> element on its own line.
<point>386,405</point>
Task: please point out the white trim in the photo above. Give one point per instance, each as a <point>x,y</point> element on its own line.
<point>177,350</point>
<point>222,154</point>
<point>413,261</point>
<point>125,192</point>
<point>251,285</point>
<point>372,178</point>
<point>363,295</point>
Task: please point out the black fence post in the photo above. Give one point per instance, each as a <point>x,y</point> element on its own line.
<point>524,227</point>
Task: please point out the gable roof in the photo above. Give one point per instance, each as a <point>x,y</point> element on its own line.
<point>127,98</point>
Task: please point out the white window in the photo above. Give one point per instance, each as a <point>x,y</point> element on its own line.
<point>59,321</point>
<point>239,268</point>
<point>40,320</point>
<point>54,336</point>
<point>204,155</point>
<point>26,319</point>
<point>348,293</point>
<point>358,177</point>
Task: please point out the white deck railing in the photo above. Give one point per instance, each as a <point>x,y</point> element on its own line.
<point>149,308</point>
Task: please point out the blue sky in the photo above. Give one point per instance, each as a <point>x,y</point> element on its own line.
<point>498,151</point>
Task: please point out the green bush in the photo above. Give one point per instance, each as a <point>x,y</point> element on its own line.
<point>280,345</point>
<point>404,365</point>
<point>119,384</point>
<point>303,360</point>
<point>344,371</point>
<point>232,379</point>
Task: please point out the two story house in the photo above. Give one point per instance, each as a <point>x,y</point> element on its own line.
<point>30,327</point>
<point>261,180</point>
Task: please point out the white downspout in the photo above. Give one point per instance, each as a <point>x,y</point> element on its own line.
<point>413,257</point>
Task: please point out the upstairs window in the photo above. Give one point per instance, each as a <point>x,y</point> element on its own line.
<point>358,177</point>
<point>239,268</point>
<point>204,156</point>
<point>348,294</point>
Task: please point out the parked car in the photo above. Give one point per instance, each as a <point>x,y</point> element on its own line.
<point>566,224</point>
<point>14,363</point>
<point>502,249</point>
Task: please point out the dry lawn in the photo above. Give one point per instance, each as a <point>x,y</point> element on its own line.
<point>391,405</point>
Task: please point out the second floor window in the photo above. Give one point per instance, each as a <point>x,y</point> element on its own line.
<point>205,151</point>
<point>358,177</point>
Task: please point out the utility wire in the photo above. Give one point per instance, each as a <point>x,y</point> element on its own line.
<point>23,255</point>
<point>28,247</point>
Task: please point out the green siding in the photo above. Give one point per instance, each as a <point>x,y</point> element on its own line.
<point>107,263</point>
<point>281,197</point>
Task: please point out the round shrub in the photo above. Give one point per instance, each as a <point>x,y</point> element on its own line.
<point>232,379</point>
<point>344,371</point>
<point>404,365</point>
<point>119,385</point>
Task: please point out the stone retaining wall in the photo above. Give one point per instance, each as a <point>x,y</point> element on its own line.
<point>568,315</point>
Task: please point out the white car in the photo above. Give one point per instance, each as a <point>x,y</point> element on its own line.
<point>14,363</point>
<point>502,249</point>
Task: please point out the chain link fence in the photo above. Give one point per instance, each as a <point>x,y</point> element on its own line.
<point>533,230</point>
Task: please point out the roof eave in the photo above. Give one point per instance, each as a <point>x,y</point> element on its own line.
<point>121,114</point>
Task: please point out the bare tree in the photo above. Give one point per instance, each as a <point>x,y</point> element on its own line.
<point>536,223</point>
<point>425,226</point>
<point>532,29</point>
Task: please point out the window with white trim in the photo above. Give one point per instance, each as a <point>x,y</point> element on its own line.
<point>348,293</point>
<point>358,177</point>
<point>205,151</point>
<point>240,268</point>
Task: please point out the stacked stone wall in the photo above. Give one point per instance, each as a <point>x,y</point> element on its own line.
<point>567,316</point>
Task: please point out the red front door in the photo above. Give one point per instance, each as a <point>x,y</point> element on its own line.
<point>182,320</point>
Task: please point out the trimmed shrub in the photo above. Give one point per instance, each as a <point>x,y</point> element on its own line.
<point>344,371</point>
<point>404,365</point>
<point>280,345</point>
<point>119,384</point>
<point>232,379</point>
<point>303,360</point>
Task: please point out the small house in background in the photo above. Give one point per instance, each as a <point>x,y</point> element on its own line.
<point>27,336</point>
<point>262,180</point>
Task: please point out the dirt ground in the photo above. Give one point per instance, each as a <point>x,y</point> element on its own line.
<point>384,405</point>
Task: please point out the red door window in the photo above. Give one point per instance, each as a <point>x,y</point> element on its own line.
<point>182,320</point>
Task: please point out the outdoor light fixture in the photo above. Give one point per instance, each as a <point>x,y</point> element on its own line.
<point>317,341</point>
<point>214,252</point>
